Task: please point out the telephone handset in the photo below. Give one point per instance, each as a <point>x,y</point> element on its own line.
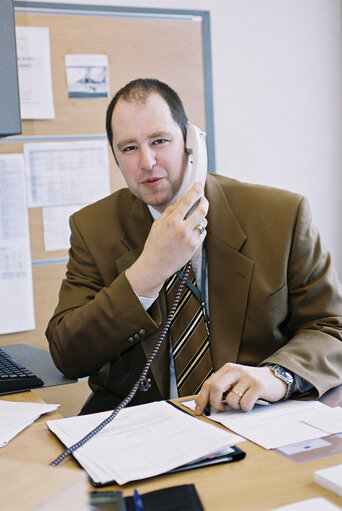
<point>196,148</point>
<point>197,163</point>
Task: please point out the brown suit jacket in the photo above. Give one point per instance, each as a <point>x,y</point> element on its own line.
<point>273,293</point>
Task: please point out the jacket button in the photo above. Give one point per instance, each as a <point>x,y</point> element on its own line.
<point>136,337</point>
<point>142,331</point>
<point>130,340</point>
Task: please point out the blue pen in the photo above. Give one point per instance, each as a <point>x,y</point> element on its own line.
<point>137,500</point>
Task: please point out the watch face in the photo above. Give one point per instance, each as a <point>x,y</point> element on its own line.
<point>283,375</point>
<point>287,377</point>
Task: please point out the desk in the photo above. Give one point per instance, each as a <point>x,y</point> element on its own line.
<point>262,481</point>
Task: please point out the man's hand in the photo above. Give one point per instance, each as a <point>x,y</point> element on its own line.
<point>244,384</point>
<point>172,241</point>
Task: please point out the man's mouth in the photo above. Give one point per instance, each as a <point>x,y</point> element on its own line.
<point>151,180</point>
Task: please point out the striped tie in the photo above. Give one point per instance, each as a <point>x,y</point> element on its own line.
<point>190,340</point>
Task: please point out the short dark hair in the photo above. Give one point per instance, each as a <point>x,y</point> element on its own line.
<point>138,91</point>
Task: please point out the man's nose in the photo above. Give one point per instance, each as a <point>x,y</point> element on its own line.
<point>148,159</point>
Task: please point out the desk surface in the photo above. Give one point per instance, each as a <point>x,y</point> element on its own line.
<point>39,361</point>
<point>262,481</point>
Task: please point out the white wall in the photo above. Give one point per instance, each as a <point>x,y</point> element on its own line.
<point>277,86</point>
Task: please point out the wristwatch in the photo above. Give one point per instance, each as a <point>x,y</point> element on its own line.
<point>285,375</point>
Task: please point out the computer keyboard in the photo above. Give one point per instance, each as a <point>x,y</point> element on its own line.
<point>14,376</point>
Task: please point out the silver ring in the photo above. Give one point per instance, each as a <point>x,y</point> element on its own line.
<point>237,393</point>
<point>200,228</point>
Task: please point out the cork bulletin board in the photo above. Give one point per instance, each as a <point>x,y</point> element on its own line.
<point>171,45</point>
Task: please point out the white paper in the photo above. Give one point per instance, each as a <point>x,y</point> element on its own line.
<point>330,422</point>
<point>56,226</point>
<point>233,437</point>
<point>315,504</point>
<point>34,73</point>
<point>282,423</point>
<point>87,76</point>
<point>60,173</point>
<point>16,416</point>
<point>330,478</point>
<point>16,287</point>
<point>142,441</point>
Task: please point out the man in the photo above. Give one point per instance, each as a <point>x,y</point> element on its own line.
<point>274,298</point>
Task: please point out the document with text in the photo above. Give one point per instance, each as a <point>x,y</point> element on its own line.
<point>142,441</point>
<point>16,416</point>
<point>16,284</point>
<point>34,72</point>
<point>60,173</point>
<point>56,226</point>
<point>282,423</point>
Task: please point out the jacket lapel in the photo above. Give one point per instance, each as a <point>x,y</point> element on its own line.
<point>229,274</point>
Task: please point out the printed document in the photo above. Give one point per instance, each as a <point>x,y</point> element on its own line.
<point>330,421</point>
<point>16,416</point>
<point>56,226</point>
<point>142,441</point>
<point>16,287</point>
<point>60,173</point>
<point>34,73</point>
<point>282,423</point>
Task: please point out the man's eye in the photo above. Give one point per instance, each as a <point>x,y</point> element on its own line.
<point>159,141</point>
<point>128,149</point>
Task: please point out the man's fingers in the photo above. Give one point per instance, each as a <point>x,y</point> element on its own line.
<point>240,387</point>
<point>173,205</point>
<point>201,401</point>
<point>189,200</point>
<point>198,213</point>
<point>248,400</point>
<point>211,393</point>
<point>241,395</point>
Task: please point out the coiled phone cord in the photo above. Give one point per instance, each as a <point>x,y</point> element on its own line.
<point>143,383</point>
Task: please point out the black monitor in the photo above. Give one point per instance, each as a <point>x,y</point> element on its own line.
<point>10,122</point>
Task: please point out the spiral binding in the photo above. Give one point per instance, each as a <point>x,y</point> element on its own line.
<point>143,383</point>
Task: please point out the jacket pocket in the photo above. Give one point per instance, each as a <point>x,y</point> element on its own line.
<point>268,305</point>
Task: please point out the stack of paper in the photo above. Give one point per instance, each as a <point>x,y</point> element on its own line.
<point>16,416</point>
<point>330,478</point>
<point>142,441</point>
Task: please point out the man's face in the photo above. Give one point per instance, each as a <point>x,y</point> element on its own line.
<point>149,148</point>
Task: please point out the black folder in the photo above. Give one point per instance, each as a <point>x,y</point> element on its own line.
<point>235,455</point>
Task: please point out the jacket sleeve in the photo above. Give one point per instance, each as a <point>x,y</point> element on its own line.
<point>314,350</point>
<point>94,322</point>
